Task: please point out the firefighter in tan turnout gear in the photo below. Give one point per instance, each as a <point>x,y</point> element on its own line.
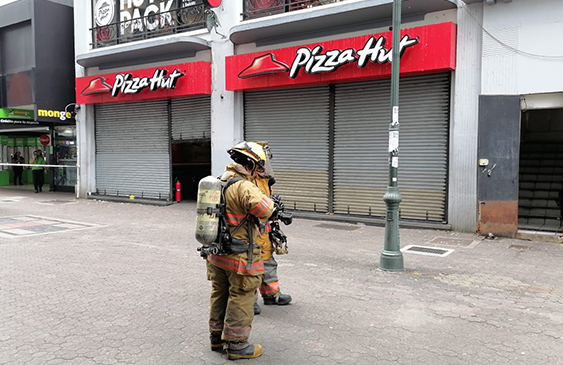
<point>236,276</point>
<point>270,287</point>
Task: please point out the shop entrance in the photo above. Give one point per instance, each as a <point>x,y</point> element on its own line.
<point>191,161</point>
<point>22,140</point>
<point>541,171</point>
<point>61,150</point>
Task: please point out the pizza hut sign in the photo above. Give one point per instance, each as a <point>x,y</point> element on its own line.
<point>314,61</point>
<point>128,84</point>
<point>181,80</point>
<point>426,49</point>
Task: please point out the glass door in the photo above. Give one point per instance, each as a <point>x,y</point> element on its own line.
<point>65,154</point>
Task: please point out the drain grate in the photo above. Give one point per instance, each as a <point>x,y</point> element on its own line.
<point>429,251</point>
<point>337,226</point>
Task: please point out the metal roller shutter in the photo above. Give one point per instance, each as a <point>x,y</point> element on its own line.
<point>133,150</point>
<point>362,115</point>
<point>191,118</point>
<point>295,123</point>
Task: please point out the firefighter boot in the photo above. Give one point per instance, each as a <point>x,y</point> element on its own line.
<point>277,299</point>
<point>257,309</point>
<point>217,344</point>
<point>243,350</point>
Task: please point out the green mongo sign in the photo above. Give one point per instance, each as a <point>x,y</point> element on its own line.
<point>9,113</point>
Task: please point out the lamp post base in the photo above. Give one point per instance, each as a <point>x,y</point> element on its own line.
<point>391,261</point>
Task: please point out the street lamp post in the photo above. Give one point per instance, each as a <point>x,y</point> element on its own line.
<point>391,257</point>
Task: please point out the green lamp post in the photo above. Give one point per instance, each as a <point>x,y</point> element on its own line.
<point>391,257</point>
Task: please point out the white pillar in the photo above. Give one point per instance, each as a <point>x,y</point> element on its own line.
<point>227,127</point>
<point>462,207</point>
<point>85,137</point>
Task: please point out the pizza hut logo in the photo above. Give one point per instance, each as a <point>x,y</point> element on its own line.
<point>128,84</point>
<point>316,60</point>
<point>263,65</point>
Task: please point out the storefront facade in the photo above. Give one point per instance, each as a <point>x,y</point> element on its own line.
<point>521,120</point>
<point>326,118</point>
<point>324,108</point>
<point>312,78</point>
<point>142,119</point>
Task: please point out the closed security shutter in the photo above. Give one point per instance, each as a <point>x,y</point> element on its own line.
<point>295,123</point>
<point>191,118</point>
<point>362,116</point>
<point>132,150</point>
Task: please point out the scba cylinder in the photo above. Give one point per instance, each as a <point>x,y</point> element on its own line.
<point>208,196</point>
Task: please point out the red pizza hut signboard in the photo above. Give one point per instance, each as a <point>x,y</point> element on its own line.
<point>166,82</point>
<point>427,49</point>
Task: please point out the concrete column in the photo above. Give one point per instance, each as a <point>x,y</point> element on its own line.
<point>85,136</point>
<point>462,199</point>
<point>86,142</point>
<point>227,127</point>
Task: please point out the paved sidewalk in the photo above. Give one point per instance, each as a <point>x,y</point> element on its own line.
<point>123,284</point>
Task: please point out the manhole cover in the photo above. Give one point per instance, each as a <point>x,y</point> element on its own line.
<point>337,226</point>
<point>57,202</point>
<point>450,241</point>
<point>429,251</point>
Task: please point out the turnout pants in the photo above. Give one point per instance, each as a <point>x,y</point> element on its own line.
<point>270,282</point>
<point>232,299</point>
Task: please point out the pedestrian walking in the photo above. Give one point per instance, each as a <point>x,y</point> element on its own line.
<point>17,158</point>
<point>38,171</point>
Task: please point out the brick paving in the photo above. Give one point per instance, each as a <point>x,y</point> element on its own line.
<point>129,288</point>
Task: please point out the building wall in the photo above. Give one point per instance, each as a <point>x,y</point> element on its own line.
<point>54,53</point>
<point>522,51</point>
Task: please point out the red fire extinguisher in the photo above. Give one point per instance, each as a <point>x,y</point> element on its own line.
<point>178,191</point>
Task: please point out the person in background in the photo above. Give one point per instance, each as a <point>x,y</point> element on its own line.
<point>38,171</point>
<point>18,170</point>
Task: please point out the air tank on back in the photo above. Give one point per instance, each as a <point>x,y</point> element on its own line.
<point>207,220</point>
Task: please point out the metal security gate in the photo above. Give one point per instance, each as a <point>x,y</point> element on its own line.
<point>133,150</point>
<point>191,118</point>
<point>362,115</point>
<point>296,125</point>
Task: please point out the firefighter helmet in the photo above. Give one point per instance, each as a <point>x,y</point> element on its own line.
<point>254,155</point>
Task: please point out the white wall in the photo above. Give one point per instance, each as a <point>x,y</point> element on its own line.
<point>532,26</point>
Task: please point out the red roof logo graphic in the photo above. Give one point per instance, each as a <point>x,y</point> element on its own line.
<point>263,65</point>
<point>97,86</point>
